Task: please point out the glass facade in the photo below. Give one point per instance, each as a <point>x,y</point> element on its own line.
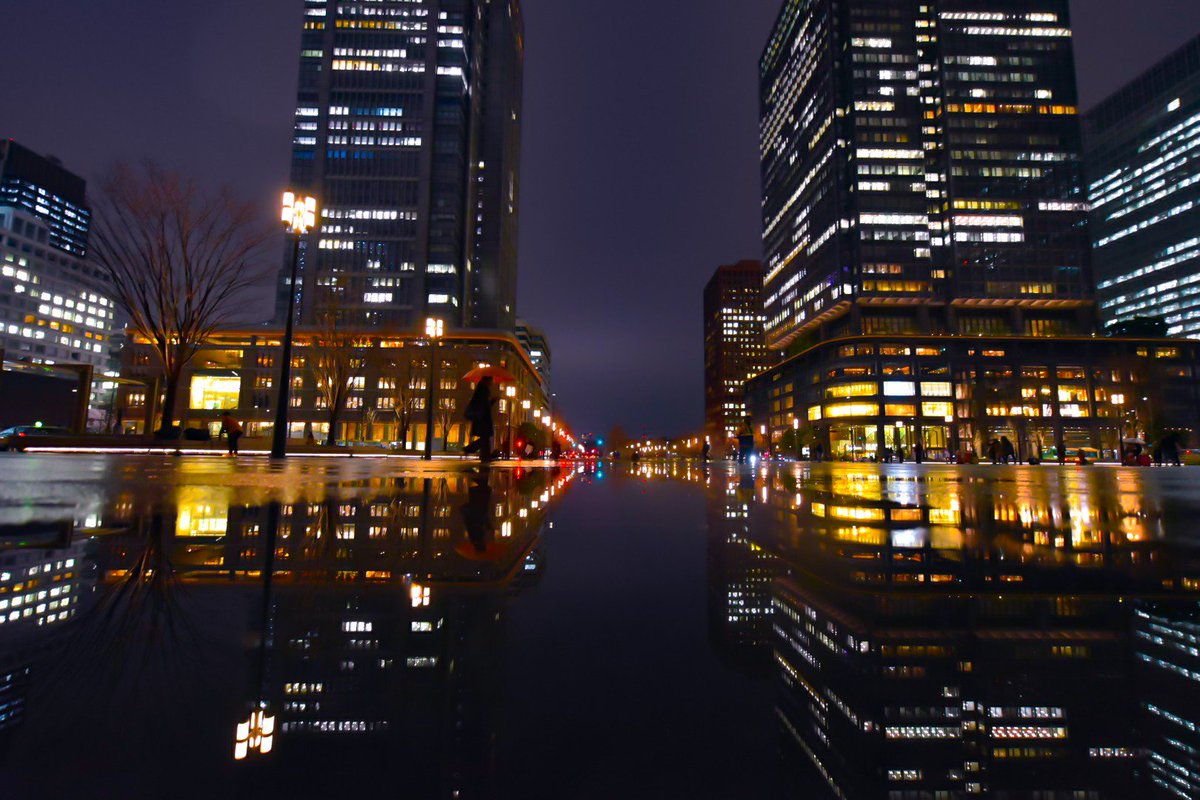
<point>1144,184</point>
<point>408,133</point>
<point>921,155</point>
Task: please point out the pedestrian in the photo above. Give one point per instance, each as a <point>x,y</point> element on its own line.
<point>232,430</point>
<point>1007,452</point>
<point>900,454</point>
<point>119,426</point>
<point>479,413</point>
<point>919,453</point>
<point>819,453</point>
<point>994,451</point>
<point>704,453</point>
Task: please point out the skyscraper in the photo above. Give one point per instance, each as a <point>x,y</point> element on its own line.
<point>55,307</point>
<point>921,170</point>
<point>927,258</point>
<point>1143,160</point>
<point>408,133</point>
<point>734,349</point>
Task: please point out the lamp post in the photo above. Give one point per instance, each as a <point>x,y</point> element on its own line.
<point>299,215</point>
<point>796,435</point>
<point>510,392</point>
<point>434,330</point>
<point>951,439</point>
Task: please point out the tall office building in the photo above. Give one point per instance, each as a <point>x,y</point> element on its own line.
<point>408,133</point>
<point>734,349</point>
<point>928,275</point>
<point>55,307</point>
<point>921,170</point>
<point>534,340</point>
<point>1143,161</point>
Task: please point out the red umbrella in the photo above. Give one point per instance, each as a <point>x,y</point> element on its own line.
<point>498,374</point>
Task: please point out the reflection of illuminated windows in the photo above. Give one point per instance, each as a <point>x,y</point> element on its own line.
<point>199,519</point>
<point>215,392</point>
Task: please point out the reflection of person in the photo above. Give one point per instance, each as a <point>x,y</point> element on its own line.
<point>232,429</point>
<point>477,512</point>
<point>479,413</point>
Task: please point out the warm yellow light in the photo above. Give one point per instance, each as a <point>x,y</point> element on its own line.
<point>299,214</point>
<point>1118,399</point>
<point>255,734</point>
<point>511,391</point>
<point>434,328</point>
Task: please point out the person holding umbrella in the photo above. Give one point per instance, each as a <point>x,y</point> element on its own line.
<point>479,413</point>
<point>479,410</point>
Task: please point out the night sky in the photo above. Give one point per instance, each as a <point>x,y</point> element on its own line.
<point>640,171</point>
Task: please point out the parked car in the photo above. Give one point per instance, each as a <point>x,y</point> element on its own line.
<point>15,438</point>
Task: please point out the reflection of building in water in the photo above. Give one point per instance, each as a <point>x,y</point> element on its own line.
<point>1167,640</point>
<point>740,573</point>
<point>385,619</point>
<point>944,638</point>
<point>40,591</point>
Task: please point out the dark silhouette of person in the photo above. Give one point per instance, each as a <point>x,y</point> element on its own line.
<point>1008,453</point>
<point>479,413</point>
<point>232,429</point>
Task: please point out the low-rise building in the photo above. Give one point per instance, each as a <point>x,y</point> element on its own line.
<point>388,391</point>
<point>856,396</point>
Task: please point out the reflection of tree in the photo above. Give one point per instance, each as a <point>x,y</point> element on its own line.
<point>140,640</point>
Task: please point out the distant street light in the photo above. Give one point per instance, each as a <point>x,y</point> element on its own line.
<point>299,216</point>
<point>434,330</point>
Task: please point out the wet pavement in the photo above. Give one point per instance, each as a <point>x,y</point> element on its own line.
<point>347,627</point>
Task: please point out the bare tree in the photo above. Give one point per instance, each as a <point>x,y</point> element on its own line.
<point>335,361</point>
<point>403,401</point>
<point>178,256</point>
<point>370,415</point>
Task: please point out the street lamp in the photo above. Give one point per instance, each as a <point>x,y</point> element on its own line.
<point>299,216</point>
<point>510,392</point>
<point>796,435</point>
<point>434,330</point>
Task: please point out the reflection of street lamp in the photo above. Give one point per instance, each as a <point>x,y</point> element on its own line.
<point>434,330</point>
<point>255,734</point>
<point>299,215</point>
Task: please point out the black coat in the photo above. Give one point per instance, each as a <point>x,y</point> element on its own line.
<point>479,412</point>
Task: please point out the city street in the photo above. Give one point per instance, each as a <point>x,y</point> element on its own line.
<point>489,633</point>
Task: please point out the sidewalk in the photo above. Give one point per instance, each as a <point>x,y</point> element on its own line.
<point>252,448</point>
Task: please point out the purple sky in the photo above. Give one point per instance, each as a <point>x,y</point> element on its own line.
<point>640,169</point>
